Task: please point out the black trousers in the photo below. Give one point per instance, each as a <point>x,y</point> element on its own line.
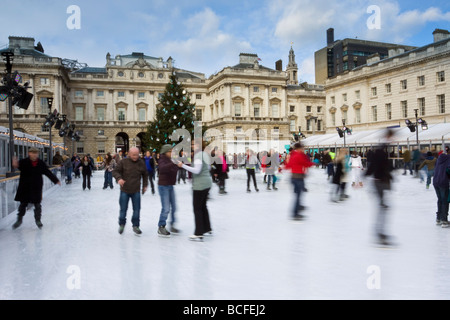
<point>88,178</point>
<point>37,210</point>
<point>251,174</point>
<point>201,214</point>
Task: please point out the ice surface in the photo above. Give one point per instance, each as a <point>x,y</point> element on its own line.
<point>256,251</point>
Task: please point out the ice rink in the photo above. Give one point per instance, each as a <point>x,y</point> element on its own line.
<point>256,251</point>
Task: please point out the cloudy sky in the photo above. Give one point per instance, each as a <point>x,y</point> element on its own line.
<point>208,35</point>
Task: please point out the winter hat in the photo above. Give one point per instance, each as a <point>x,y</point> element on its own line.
<point>33,150</point>
<point>429,154</point>
<point>166,148</point>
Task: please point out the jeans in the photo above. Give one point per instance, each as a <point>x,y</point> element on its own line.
<point>168,204</point>
<point>430,174</point>
<point>151,177</point>
<point>136,202</point>
<point>251,174</point>
<point>407,166</point>
<point>442,203</point>
<point>299,186</point>
<point>380,224</point>
<point>108,180</point>
<point>69,173</point>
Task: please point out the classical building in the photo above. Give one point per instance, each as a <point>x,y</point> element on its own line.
<point>341,56</point>
<point>110,106</point>
<point>386,91</point>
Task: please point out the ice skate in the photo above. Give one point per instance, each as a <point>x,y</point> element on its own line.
<point>39,223</point>
<point>17,223</point>
<point>121,228</point>
<point>137,231</point>
<point>162,232</point>
<point>174,230</point>
<point>196,238</point>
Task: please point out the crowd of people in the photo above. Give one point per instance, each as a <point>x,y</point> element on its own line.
<point>135,172</point>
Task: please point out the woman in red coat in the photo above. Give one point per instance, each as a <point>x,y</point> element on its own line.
<point>298,163</point>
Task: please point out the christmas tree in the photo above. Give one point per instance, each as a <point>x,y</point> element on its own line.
<point>175,112</point>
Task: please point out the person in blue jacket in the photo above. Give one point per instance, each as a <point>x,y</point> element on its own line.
<point>150,169</point>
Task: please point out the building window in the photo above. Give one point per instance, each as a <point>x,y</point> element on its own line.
<point>344,115</point>
<point>344,97</point>
<point>120,74</point>
<point>237,109</point>
<point>274,90</point>
<point>44,106</point>
<point>237,89</point>
<point>198,96</point>
<point>291,108</point>
<point>358,115</point>
<point>255,89</point>
<point>142,114</point>
<point>79,93</point>
<point>440,76</point>
<point>308,125</point>
<point>199,114</point>
<point>45,129</point>
<point>441,103</point>
<point>404,84</point>
<point>333,119</point>
<point>256,109</point>
<point>308,109</point>
<point>141,74</point>
<point>80,147</point>
<point>319,125</point>
<point>121,114</point>
<point>319,109</point>
<point>101,132</point>
<point>374,91</point>
<point>276,130</point>
<point>421,105</point>
<point>101,114</point>
<point>404,105</point>
<point>421,81</point>
<point>358,94</point>
<point>239,129</point>
<point>388,111</point>
<point>333,100</point>
<point>101,147</point>
<point>374,114</point>
<point>79,110</point>
<point>121,94</point>
<point>292,125</point>
<point>388,88</point>
<point>275,112</point>
<point>45,81</point>
<point>141,95</point>
<point>100,93</point>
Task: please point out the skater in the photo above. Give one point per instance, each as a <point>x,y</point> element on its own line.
<point>166,181</point>
<point>356,169</point>
<point>30,185</point>
<point>329,165</point>
<point>298,162</point>
<point>407,162</point>
<point>68,166</point>
<point>441,185</point>
<point>429,163</point>
<point>220,173</point>
<point>128,174</point>
<point>182,172</point>
<point>201,184</point>
<point>380,167</point>
<point>109,164</point>
<point>251,163</point>
<point>76,169</point>
<point>340,177</point>
<point>86,170</point>
<point>150,164</point>
<point>271,163</point>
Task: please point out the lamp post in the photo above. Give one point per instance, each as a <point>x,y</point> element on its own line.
<point>50,160</point>
<point>8,57</point>
<point>342,132</point>
<point>414,127</point>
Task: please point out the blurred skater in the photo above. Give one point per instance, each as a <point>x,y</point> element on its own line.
<point>429,163</point>
<point>251,161</point>
<point>298,162</point>
<point>30,185</point>
<point>441,185</point>
<point>356,166</point>
<point>380,168</point>
<point>340,177</point>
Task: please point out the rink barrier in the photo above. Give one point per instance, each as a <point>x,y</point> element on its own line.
<point>8,189</point>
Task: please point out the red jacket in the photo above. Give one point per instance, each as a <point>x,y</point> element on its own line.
<point>298,162</point>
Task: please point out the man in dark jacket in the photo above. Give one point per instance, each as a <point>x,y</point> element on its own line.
<point>167,179</point>
<point>30,185</point>
<point>128,174</point>
<point>441,182</point>
<point>380,167</point>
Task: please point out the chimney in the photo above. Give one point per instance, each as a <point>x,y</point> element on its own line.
<point>440,34</point>
<point>330,36</point>
<point>279,65</point>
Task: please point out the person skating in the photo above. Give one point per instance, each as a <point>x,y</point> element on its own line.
<point>220,171</point>
<point>150,164</point>
<point>441,185</point>
<point>251,162</point>
<point>128,174</point>
<point>30,185</point>
<point>201,184</point>
<point>109,164</point>
<point>298,162</point>
<point>68,167</point>
<point>380,168</point>
<point>429,162</point>
<point>340,176</point>
<point>356,166</point>
<point>86,170</point>
<point>167,179</point>
<point>271,163</point>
